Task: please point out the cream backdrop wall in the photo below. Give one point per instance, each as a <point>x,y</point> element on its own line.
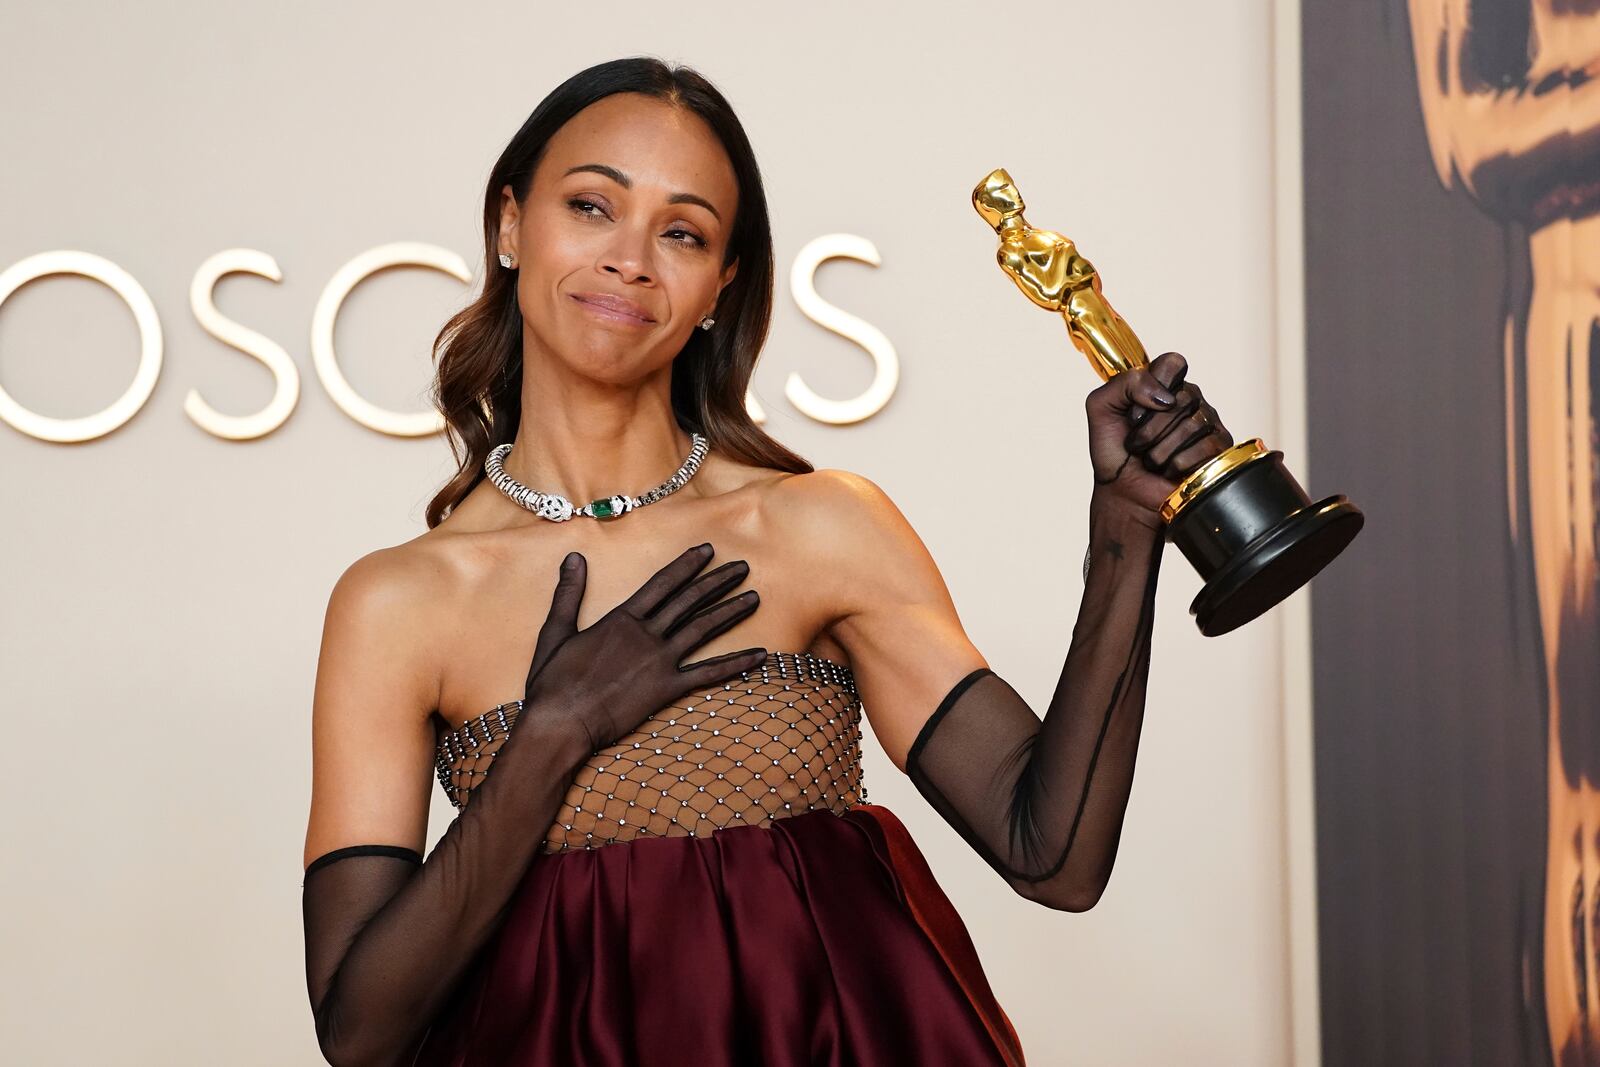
<point>163,589</point>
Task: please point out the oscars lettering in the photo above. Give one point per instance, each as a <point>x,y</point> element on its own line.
<point>324,359</point>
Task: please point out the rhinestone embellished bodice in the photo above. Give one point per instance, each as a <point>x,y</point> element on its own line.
<point>778,740</point>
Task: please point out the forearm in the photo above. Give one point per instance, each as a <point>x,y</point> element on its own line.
<point>1124,554</point>
<point>376,982</point>
<point>1099,700</point>
<point>1043,802</point>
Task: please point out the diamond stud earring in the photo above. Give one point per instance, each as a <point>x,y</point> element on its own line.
<point>505,260</point>
<point>705,323</point>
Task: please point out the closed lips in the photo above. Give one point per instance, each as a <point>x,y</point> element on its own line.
<point>618,304</point>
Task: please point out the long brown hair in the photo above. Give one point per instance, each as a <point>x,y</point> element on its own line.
<point>478,354</point>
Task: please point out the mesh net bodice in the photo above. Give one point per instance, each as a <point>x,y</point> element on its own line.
<point>779,740</point>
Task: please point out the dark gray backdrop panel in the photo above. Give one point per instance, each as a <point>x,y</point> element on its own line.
<point>1428,725</point>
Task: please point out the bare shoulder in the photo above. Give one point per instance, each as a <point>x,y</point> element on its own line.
<point>376,686</point>
<point>830,484</point>
<point>891,610</point>
<point>840,501</point>
<point>848,522</point>
<point>378,578</point>
<point>384,599</point>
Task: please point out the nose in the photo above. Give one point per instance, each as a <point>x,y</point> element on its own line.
<point>628,256</point>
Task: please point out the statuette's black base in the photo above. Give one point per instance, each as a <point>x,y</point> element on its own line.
<point>1255,537</point>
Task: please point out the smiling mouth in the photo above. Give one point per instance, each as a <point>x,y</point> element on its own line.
<point>614,311</point>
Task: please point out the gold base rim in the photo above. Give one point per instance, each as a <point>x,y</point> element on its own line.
<point>1209,473</point>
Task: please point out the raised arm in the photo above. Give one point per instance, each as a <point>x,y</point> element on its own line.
<point>1041,801</point>
<point>388,934</point>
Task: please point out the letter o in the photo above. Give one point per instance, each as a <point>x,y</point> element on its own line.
<point>126,406</point>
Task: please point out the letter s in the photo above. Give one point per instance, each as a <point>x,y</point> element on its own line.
<point>286,392</point>
<point>886,364</point>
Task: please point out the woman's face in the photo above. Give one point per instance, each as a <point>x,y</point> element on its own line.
<point>620,242</point>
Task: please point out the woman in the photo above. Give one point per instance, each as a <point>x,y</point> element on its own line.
<point>673,859</point>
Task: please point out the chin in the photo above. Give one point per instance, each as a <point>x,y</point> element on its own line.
<point>611,361</point>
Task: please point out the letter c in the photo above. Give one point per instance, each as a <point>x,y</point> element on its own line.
<point>346,278</point>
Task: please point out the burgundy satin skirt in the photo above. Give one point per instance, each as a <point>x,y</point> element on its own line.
<point>814,939</point>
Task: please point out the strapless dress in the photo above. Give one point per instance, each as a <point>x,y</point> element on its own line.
<point>717,890</point>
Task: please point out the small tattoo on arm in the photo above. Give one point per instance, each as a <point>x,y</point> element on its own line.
<point>1113,547</point>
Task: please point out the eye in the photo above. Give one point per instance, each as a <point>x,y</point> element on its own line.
<point>578,206</point>
<point>684,237</point>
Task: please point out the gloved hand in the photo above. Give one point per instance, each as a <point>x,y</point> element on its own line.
<point>1154,415</point>
<point>613,675</point>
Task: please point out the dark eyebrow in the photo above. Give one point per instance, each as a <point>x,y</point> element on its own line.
<point>600,168</point>
<point>627,183</point>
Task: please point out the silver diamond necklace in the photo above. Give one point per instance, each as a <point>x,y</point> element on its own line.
<point>557,508</point>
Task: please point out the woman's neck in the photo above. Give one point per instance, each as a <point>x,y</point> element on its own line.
<point>585,439</point>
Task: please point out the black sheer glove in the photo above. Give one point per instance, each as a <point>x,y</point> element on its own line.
<point>1162,440</point>
<point>1152,415</point>
<point>1043,802</point>
<point>627,664</point>
<point>389,936</point>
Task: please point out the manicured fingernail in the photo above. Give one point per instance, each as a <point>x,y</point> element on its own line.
<point>706,548</point>
<point>1164,398</point>
<point>570,562</point>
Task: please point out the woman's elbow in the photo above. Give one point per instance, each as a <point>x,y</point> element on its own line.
<point>352,1054</point>
<point>1062,895</point>
<point>343,1046</point>
<point>342,1050</point>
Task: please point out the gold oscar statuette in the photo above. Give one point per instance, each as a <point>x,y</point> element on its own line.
<point>1241,518</point>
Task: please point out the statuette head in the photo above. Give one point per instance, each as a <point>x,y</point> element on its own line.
<point>996,198</point>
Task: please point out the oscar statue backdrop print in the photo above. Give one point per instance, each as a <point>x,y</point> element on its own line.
<point>1452,182</point>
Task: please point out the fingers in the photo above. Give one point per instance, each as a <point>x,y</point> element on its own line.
<point>1169,368</point>
<point>1147,434</point>
<point>1185,435</point>
<point>1173,443</point>
<point>666,581</point>
<point>1179,432</point>
<point>1209,445</point>
<point>1128,392</point>
<point>568,597</point>
<point>1139,393</point>
<point>706,589</point>
<point>1161,380</point>
<point>1191,442</point>
<point>717,668</point>
<point>562,620</point>
<point>699,629</point>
